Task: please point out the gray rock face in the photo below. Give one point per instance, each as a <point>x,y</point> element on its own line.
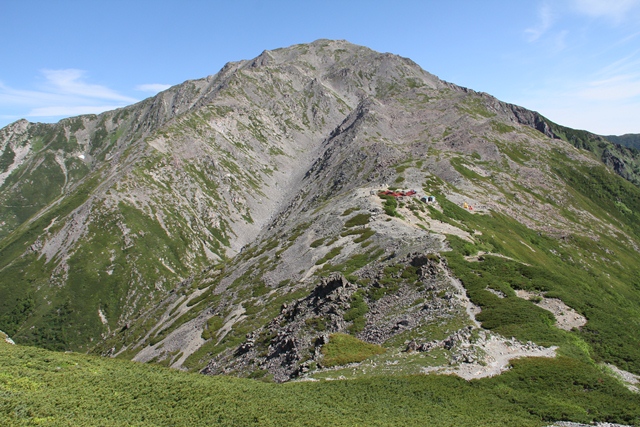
<point>293,340</point>
<point>288,340</point>
<point>532,119</point>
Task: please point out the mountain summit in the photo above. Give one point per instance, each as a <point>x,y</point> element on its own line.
<point>321,211</point>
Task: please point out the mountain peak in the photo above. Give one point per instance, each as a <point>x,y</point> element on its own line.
<point>316,197</point>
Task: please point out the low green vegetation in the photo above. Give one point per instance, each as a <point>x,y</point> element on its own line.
<point>513,151</point>
<point>99,273</point>
<point>334,252</point>
<point>40,387</point>
<point>359,219</point>
<point>358,308</point>
<point>625,158</point>
<point>598,277</point>
<point>501,127</point>
<point>390,205</point>
<point>354,262</point>
<point>475,107</point>
<point>362,233</point>
<point>459,165</point>
<point>213,325</point>
<point>349,211</point>
<point>631,140</point>
<point>318,242</point>
<point>343,349</point>
<point>6,159</point>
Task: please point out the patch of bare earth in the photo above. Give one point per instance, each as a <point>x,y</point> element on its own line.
<point>566,317</point>
<point>487,354</point>
<point>631,381</point>
<point>479,257</point>
<point>495,354</point>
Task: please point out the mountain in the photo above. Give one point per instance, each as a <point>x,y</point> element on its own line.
<point>631,140</point>
<point>260,223</point>
<point>620,157</point>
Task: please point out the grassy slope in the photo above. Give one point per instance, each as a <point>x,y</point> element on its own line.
<point>597,277</point>
<point>103,270</point>
<point>39,387</point>
<point>627,155</point>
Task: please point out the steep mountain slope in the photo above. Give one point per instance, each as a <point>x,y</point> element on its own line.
<point>166,184</point>
<point>631,140</point>
<point>237,224</point>
<point>623,159</point>
<point>53,207</point>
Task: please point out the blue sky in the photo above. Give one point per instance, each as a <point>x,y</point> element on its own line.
<point>575,61</point>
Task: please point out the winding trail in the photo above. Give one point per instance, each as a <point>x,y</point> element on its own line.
<point>496,351</point>
<point>461,295</point>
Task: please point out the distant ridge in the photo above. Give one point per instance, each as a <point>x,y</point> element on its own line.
<point>631,140</point>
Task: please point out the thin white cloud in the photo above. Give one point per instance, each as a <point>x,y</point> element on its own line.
<point>606,106</point>
<point>618,81</point>
<point>62,93</point>
<point>545,21</point>
<point>152,87</point>
<point>8,118</point>
<point>605,118</point>
<point>605,100</point>
<point>71,82</point>
<point>560,40</point>
<point>614,10</point>
<point>70,111</point>
<point>626,39</point>
<point>621,87</point>
<point>629,63</point>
